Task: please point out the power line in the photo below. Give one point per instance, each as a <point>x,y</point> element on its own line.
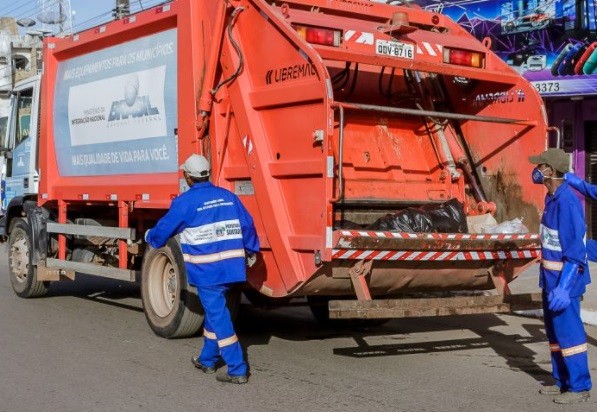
<point>6,11</point>
<point>96,20</point>
<point>87,23</point>
<point>30,13</point>
<point>106,17</point>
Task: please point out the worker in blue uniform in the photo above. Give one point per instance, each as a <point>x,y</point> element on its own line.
<point>564,275</point>
<point>587,190</point>
<point>218,239</point>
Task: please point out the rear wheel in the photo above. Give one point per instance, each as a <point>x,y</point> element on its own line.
<point>171,305</point>
<point>23,275</point>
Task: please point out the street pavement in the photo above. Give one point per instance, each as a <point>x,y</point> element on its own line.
<point>87,347</point>
<point>528,282</point>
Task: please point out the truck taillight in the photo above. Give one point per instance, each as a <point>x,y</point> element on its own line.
<point>319,35</point>
<point>464,57</point>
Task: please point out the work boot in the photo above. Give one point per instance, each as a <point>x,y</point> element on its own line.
<point>550,390</point>
<point>232,379</point>
<point>199,365</point>
<point>572,397</point>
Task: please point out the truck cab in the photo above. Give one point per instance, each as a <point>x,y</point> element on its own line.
<point>18,147</point>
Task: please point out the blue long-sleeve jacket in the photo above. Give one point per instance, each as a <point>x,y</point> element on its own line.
<point>215,231</point>
<point>563,240</point>
<point>588,190</point>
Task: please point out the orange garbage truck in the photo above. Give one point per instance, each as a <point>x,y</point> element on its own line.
<point>324,117</point>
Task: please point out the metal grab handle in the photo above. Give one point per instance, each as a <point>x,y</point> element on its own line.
<point>340,156</point>
<point>429,113</point>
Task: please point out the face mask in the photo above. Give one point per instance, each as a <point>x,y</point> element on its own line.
<point>537,176</point>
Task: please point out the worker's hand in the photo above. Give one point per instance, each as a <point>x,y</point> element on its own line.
<point>251,259</point>
<point>558,299</point>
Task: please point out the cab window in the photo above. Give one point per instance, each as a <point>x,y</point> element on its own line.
<point>23,120</point>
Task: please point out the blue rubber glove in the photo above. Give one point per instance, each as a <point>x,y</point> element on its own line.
<point>559,298</point>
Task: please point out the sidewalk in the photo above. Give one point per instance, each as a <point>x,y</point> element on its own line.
<point>528,282</point>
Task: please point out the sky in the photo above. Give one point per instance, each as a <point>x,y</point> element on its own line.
<point>86,13</point>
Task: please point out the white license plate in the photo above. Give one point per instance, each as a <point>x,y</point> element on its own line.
<point>395,49</point>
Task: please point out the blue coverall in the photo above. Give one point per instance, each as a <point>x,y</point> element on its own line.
<point>587,190</point>
<point>563,240</point>
<point>215,231</point>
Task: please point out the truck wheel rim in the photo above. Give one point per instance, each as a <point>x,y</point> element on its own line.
<point>19,259</point>
<point>163,284</point>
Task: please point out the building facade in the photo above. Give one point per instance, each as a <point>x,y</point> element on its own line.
<point>20,58</point>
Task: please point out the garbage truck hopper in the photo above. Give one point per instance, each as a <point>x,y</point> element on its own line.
<point>349,111</point>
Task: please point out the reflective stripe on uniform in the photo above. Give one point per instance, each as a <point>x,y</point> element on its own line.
<point>209,335</point>
<point>554,347</point>
<point>552,265</point>
<point>228,341</point>
<point>574,350</point>
<point>214,257</point>
<point>212,232</point>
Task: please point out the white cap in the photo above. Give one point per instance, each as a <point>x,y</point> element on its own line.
<point>196,166</point>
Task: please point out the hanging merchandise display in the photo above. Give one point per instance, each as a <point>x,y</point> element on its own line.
<point>551,43</point>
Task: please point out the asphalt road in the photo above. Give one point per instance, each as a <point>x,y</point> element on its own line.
<point>87,347</point>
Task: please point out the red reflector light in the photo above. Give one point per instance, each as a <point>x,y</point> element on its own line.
<point>319,35</point>
<point>464,57</point>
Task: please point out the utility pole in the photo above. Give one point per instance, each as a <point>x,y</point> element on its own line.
<point>123,9</point>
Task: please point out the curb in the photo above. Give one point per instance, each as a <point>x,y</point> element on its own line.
<point>589,317</point>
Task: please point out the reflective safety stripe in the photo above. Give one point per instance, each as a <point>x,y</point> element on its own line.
<point>554,347</point>
<point>209,335</point>
<point>551,265</point>
<point>228,341</point>
<point>214,257</point>
<point>574,350</point>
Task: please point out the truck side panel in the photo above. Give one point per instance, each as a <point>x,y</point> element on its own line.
<point>147,70</point>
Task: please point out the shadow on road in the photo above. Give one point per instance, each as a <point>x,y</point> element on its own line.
<point>110,292</point>
<point>257,327</point>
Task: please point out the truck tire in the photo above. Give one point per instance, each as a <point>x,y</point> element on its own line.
<point>171,305</point>
<point>23,275</point>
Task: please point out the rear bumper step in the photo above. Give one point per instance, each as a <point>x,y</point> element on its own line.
<point>378,245</point>
<point>414,308</point>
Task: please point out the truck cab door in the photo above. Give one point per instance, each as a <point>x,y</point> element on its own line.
<point>5,145</point>
<point>21,144</point>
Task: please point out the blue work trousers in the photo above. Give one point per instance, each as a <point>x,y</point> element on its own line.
<point>218,332</point>
<point>568,345</point>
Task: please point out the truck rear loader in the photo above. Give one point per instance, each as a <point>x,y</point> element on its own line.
<point>322,116</point>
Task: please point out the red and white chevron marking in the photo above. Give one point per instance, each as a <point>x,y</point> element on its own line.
<point>359,37</point>
<point>439,236</point>
<point>391,255</point>
<point>430,49</point>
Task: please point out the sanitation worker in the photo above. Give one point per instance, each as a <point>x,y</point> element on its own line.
<point>564,275</point>
<point>216,236</point>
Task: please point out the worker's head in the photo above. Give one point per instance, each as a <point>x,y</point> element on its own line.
<point>196,169</point>
<point>551,164</point>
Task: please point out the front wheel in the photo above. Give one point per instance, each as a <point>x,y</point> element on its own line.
<point>23,275</point>
<point>171,305</point>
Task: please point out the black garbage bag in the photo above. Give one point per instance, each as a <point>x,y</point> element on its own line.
<point>447,217</point>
